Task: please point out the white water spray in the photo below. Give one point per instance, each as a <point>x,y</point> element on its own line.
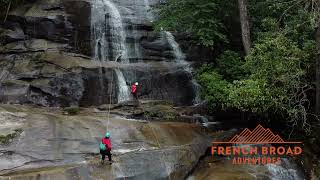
<point>109,40</point>
<point>149,13</point>
<point>108,32</point>
<point>180,58</point>
<point>124,92</point>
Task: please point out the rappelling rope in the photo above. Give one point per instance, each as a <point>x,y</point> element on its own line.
<point>110,99</point>
<point>108,116</point>
<point>153,132</point>
<point>158,143</point>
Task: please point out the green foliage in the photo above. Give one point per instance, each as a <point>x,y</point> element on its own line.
<point>230,65</point>
<point>249,95</point>
<point>296,19</point>
<point>214,89</point>
<point>271,81</point>
<point>197,17</point>
<point>216,79</point>
<point>277,60</point>
<point>161,110</point>
<point>275,81</point>
<point>276,77</point>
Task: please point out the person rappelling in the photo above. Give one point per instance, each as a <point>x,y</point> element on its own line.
<point>105,148</point>
<point>134,91</point>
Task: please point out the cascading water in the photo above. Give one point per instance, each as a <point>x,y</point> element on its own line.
<point>109,40</point>
<point>180,58</point>
<point>148,10</point>
<point>108,32</point>
<point>123,94</point>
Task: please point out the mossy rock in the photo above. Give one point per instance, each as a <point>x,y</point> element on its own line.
<point>74,110</point>
<point>164,112</point>
<point>7,139</point>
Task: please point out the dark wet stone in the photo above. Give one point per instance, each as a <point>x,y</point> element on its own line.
<point>63,26</point>
<point>57,146</point>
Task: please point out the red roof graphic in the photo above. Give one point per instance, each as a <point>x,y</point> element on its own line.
<point>259,135</point>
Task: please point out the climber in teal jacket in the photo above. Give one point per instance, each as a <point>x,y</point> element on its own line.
<point>105,148</point>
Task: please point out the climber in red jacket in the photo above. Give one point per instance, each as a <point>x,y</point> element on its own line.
<point>105,148</point>
<point>134,91</point>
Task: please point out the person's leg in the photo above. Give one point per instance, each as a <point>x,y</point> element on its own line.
<point>103,155</point>
<point>109,155</point>
<point>136,97</point>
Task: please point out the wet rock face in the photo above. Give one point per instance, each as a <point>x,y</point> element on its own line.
<point>54,146</point>
<point>38,29</point>
<point>54,79</point>
<point>37,80</point>
<point>66,22</point>
<point>163,81</point>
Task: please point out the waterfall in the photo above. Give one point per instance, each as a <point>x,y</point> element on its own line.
<point>108,32</point>
<point>124,92</point>
<point>109,41</point>
<point>178,54</point>
<point>180,58</point>
<point>149,14</point>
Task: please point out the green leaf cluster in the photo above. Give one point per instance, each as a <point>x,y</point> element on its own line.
<point>214,89</point>
<point>276,79</point>
<point>200,18</point>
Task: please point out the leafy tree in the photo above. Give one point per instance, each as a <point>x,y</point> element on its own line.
<point>277,83</point>
<point>215,79</point>
<point>230,66</point>
<point>276,76</point>
<point>214,88</point>
<point>197,17</point>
